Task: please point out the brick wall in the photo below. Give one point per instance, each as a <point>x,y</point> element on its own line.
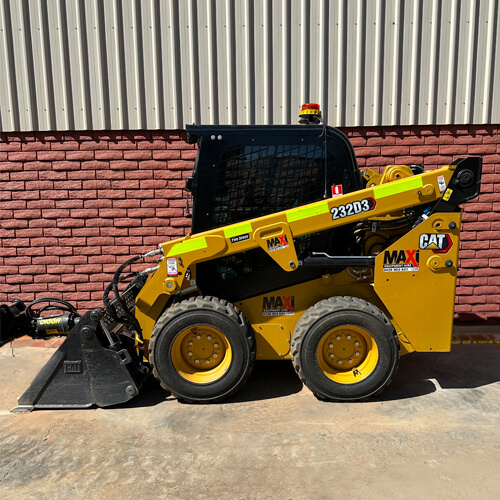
<point>74,205</point>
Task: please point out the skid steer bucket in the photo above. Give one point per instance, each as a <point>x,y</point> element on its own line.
<point>81,373</point>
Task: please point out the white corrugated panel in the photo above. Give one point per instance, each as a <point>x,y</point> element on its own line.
<point>159,64</point>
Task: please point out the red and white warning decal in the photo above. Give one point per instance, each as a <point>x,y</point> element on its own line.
<point>337,190</point>
<point>172,266</point>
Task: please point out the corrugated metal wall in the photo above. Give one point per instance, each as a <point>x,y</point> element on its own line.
<point>159,64</point>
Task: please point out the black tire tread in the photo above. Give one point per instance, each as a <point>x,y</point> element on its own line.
<point>207,303</point>
<point>316,312</point>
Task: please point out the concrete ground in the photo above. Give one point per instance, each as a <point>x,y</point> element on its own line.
<point>434,433</point>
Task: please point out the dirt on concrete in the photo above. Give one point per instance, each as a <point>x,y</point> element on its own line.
<point>434,433</point>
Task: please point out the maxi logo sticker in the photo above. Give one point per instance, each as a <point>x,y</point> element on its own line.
<point>241,237</point>
<point>401,260</point>
<point>278,306</point>
<point>354,208</point>
<point>277,243</point>
<point>438,243</point>
<point>172,266</point>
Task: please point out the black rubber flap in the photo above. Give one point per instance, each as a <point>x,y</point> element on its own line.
<point>80,374</point>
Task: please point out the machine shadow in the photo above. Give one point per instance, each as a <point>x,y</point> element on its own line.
<point>268,380</point>
<point>466,367</point>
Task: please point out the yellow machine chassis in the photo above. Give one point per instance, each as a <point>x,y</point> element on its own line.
<point>406,273</point>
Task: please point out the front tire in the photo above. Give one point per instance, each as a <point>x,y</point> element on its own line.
<point>345,349</point>
<point>202,349</point>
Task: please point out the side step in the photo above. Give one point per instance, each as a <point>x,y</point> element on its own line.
<point>81,373</point>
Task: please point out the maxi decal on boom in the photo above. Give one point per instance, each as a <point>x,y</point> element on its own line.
<point>278,306</point>
<point>277,243</point>
<point>438,243</point>
<point>401,260</point>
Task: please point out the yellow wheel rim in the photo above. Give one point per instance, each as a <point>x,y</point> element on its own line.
<point>347,354</point>
<point>201,354</point>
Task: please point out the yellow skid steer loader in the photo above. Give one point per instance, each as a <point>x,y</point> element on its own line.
<point>294,253</point>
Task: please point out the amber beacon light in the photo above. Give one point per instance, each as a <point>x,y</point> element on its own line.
<point>310,114</point>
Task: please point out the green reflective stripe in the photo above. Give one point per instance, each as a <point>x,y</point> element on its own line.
<point>188,246</point>
<point>305,212</point>
<point>237,230</point>
<point>397,187</point>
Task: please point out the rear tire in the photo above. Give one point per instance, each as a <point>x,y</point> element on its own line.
<point>202,349</point>
<point>345,349</point>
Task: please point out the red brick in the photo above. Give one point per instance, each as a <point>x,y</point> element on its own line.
<point>50,155</point>
<point>439,140</point>
<point>394,150</point>
<point>151,145</point>
<point>85,231</point>
<point>138,154</point>
<point>62,287</point>
<point>355,142</point>
<point>467,139</point>
<point>83,194</point>
<point>38,165</point>
<point>65,146</point>
<point>111,193</point>
<point>123,165</point>
<point>84,213</point>
<point>472,299</point>
<point>188,154</point>
<point>482,149</point>
<point>477,226</point>
<point>93,145</point>
<point>377,161</point>
<point>70,222</point>
<point>157,184</point>
<point>13,186</point>
<point>51,175</point>
<point>66,165</point>
<point>80,155</point>
<point>10,146</point>
<point>97,184</point>
<point>42,223</point>
<point>410,140</point>
<point>29,233</point>
<point>147,193</point>
<point>114,231</point>
<point>368,151</point>
<point>112,212</point>
<point>22,156</point>
<point>168,174</point>
<point>127,222</point>
<point>112,154</point>
<point>424,150</point>
<point>141,212</point>
<point>168,154</point>
<point>69,204</point>
<point>95,165</point>
<point>474,281</point>
<point>6,166</point>
<point>159,164</point>
<point>82,175</point>
<point>124,145</point>
<point>26,195</point>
